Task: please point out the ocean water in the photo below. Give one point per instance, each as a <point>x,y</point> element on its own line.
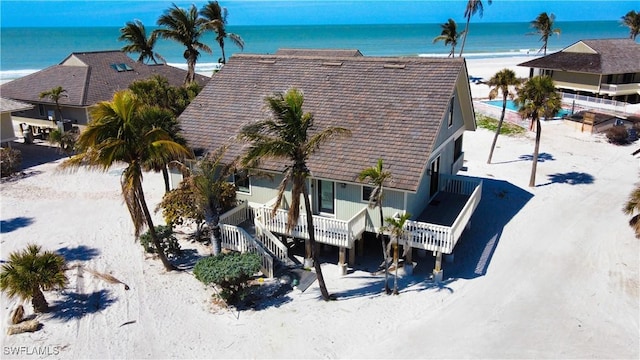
<point>25,50</point>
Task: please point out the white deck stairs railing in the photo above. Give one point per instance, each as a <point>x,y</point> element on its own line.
<point>238,239</point>
<point>327,230</point>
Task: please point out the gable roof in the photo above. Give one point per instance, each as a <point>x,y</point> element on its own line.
<point>8,105</point>
<point>88,78</point>
<point>394,108</point>
<point>601,56</point>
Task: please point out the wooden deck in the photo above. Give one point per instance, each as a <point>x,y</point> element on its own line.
<point>444,209</point>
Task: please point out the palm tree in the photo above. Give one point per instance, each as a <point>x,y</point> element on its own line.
<point>376,176</point>
<point>135,33</point>
<point>29,272</point>
<point>473,7</point>
<point>449,35</point>
<point>286,136</point>
<point>396,228</point>
<point>210,181</point>
<point>55,95</point>
<point>502,82</point>
<point>632,21</point>
<point>632,208</point>
<point>543,25</point>
<point>538,98</point>
<point>216,17</point>
<point>185,27</point>
<point>119,132</point>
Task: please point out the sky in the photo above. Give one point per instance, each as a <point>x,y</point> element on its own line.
<point>71,13</point>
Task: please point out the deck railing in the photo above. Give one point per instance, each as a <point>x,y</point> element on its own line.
<point>326,230</point>
<point>444,238</point>
<point>235,216</point>
<point>271,242</point>
<point>236,238</point>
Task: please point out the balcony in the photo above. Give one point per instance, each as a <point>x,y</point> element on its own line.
<point>327,230</point>
<point>620,89</point>
<point>440,225</point>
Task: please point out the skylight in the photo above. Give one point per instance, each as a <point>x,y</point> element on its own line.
<point>121,67</point>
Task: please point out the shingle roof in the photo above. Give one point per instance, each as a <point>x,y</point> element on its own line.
<point>319,52</point>
<point>8,105</point>
<point>393,107</point>
<point>613,56</point>
<point>92,82</point>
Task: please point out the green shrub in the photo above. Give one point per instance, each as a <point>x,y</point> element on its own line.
<point>10,160</point>
<point>168,241</point>
<point>230,271</point>
<point>617,135</point>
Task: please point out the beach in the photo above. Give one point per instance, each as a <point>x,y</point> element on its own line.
<point>546,272</point>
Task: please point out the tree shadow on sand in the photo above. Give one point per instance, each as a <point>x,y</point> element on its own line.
<point>75,305</point>
<point>78,253</point>
<point>7,226</point>
<point>500,202</point>
<point>542,157</point>
<point>571,178</point>
<point>375,286</point>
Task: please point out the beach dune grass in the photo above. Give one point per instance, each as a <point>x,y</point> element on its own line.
<point>489,123</point>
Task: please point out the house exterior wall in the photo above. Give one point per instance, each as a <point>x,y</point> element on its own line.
<point>349,202</point>
<point>6,127</point>
<point>78,114</point>
<point>262,189</point>
<point>577,81</point>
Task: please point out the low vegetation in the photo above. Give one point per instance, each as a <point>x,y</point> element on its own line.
<point>30,272</point>
<point>10,161</point>
<point>491,124</point>
<point>231,271</point>
<point>168,242</point>
<point>617,135</point>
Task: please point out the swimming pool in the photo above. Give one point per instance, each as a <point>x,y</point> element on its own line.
<point>511,105</point>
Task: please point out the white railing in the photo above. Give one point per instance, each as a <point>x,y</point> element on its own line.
<point>428,236</point>
<point>465,215</point>
<point>457,165</point>
<point>590,102</point>
<point>271,242</point>
<point>444,238</point>
<point>326,230</point>
<point>235,216</point>
<point>236,238</point>
<point>614,89</point>
<point>458,184</point>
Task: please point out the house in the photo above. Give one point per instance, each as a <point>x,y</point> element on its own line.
<point>88,78</point>
<point>7,106</point>
<point>603,69</point>
<point>411,112</point>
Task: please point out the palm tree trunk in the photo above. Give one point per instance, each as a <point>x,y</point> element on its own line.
<point>152,230</point>
<point>213,220</point>
<point>464,38</point>
<point>384,253</point>
<point>191,70</point>
<point>495,137</point>
<point>396,260</point>
<point>165,177</point>
<point>534,165</point>
<point>38,301</point>
<point>314,244</point>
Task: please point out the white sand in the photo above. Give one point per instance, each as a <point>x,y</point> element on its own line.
<point>544,272</point>
<point>486,68</point>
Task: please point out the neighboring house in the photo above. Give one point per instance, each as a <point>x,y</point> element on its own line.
<point>411,112</point>
<point>606,68</point>
<point>88,78</point>
<point>7,106</point>
<point>596,122</point>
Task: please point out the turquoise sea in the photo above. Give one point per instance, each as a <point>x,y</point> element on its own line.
<point>25,50</point>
